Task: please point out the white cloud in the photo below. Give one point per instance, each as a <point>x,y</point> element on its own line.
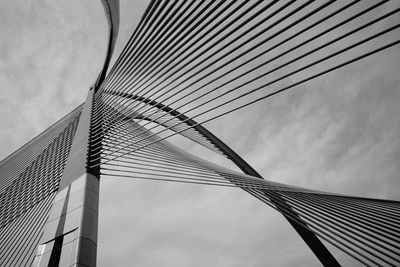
<point>339,133</point>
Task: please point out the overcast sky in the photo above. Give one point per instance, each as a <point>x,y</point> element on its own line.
<point>340,133</point>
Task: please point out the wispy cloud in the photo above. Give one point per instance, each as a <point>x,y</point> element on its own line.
<point>338,133</point>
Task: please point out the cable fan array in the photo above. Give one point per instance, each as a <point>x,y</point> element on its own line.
<point>191,62</point>
<point>366,229</point>
<point>29,181</point>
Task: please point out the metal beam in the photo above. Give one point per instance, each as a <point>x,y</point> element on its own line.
<point>111,9</point>
<point>317,247</point>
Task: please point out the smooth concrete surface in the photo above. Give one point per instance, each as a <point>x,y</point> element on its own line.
<point>73,219</point>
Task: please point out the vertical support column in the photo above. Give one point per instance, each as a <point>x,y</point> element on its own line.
<point>70,233</point>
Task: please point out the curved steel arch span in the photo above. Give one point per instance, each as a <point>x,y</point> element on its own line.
<point>111,9</point>
<point>317,247</point>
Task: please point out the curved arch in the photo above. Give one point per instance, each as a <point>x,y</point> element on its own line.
<point>111,10</point>
<point>318,248</point>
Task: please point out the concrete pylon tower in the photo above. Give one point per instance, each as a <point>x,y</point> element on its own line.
<point>70,233</point>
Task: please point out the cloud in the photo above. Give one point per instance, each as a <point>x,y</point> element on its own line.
<point>44,53</point>
<point>339,133</point>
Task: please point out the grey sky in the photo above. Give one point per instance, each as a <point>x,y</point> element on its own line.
<point>339,133</point>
